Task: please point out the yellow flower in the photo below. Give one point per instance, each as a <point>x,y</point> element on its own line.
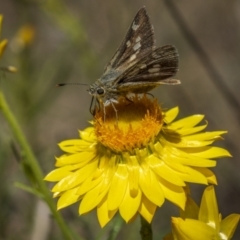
<point>131,165</point>
<point>4,42</point>
<point>3,45</point>
<point>23,38</point>
<point>207,224</point>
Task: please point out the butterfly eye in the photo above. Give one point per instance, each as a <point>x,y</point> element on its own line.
<point>100,91</point>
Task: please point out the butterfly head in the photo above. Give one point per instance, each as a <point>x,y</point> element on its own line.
<point>96,91</point>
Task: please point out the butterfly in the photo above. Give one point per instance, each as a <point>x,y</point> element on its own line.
<point>137,66</point>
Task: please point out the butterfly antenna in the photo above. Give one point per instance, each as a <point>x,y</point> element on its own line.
<point>63,84</point>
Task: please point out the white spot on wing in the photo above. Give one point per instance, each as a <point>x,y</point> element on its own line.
<point>128,43</point>
<point>136,46</point>
<point>153,70</point>
<point>138,39</point>
<point>135,26</point>
<point>143,66</point>
<point>132,57</point>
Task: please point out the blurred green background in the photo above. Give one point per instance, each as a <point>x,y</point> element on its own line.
<point>54,41</point>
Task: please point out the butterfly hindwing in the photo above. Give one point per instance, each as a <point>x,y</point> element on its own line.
<point>158,65</point>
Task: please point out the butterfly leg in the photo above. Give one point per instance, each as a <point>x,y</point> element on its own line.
<point>150,94</point>
<point>104,113</point>
<point>115,111</point>
<point>91,109</point>
<point>94,104</point>
<point>129,100</point>
<point>110,101</point>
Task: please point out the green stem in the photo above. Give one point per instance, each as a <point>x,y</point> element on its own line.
<point>146,230</point>
<point>32,162</point>
<point>117,226</point>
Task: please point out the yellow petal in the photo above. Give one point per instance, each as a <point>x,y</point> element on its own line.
<point>67,198</point>
<point>209,152</point>
<point>93,198</point>
<point>173,193</point>
<point>192,130</point>
<point>75,145</point>
<point>133,170</point>
<point>147,208</point>
<point>182,142</point>
<point>190,229</point>
<point>164,171</point>
<point>150,186</point>
<point>58,174</point>
<point>107,177</point>
<point>186,122</point>
<point>103,213</point>
<point>208,211</point>
<point>172,154</point>
<point>186,143</point>
<point>88,184</point>
<point>206,136</point>
<point>184,158</point>
<point>228,226</point>
<point>130,205</point>
<point>88,134</point>
<point>210,176</point>
<point>170,115</point>
<point>189,174</point>
<point>118,187</point>
<point>74,179</point>
<point>77,158</point>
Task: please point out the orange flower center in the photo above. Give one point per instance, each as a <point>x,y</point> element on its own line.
<point>132,124</point>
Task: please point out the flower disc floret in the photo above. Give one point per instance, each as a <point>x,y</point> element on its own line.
<point>131,126</point>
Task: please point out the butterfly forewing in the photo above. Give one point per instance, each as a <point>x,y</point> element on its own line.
<point>138,41</point>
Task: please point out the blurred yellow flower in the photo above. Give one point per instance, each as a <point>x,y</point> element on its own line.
<point>3,45</point>
<point>133,165</point>
<point>24,37</point>
<point>26,34</point>
<point>207,224</point>
<point>4,42</point>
